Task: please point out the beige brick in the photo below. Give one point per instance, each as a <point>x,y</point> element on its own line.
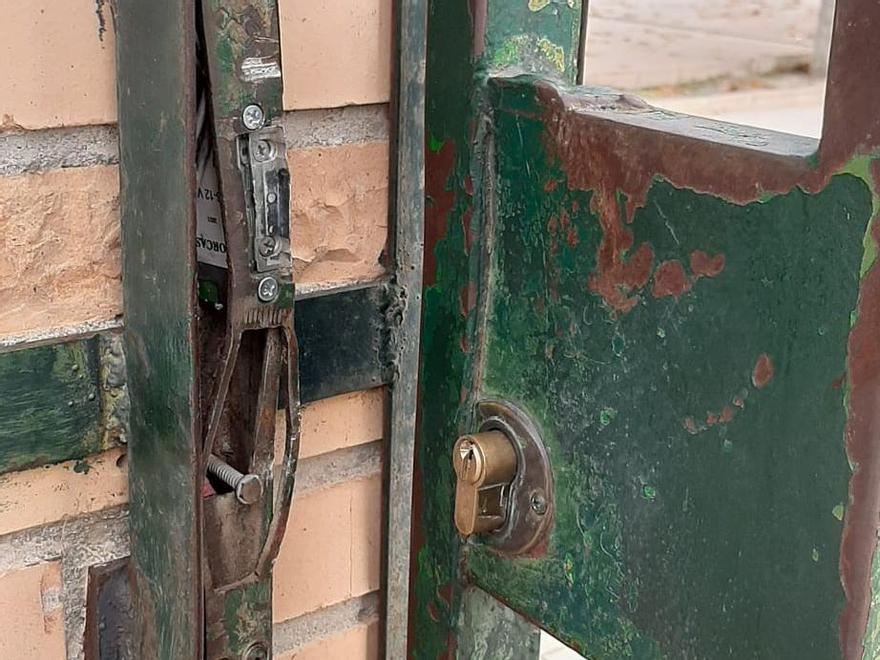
<point>46,494</point>
<point>57,59</point>
<point>360,643</point>
<point>60,252</point>
<point>59,249</point>
<point>366,536</point>
<point>324,559</point>
<point>336,53</point>
<point>339,422</point>
<point>31,613</point>
<point>340,212</point>
<point>56,64</point>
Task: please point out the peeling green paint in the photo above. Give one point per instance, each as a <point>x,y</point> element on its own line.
<point>50,404</point>
<point>554,53</point>
<point>861,167</point>
<point>541,52</point>
<point>607,415</point>
<point>656,530</point>
<point>714,334</point>
<point>539,36</point>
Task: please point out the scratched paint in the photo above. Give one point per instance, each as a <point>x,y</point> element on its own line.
<point>637,271</point>
<point>648,575</point>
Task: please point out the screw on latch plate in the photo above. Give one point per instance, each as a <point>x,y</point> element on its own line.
<point>263,151</point>
<point>248,487</point>
<point>268,246</point>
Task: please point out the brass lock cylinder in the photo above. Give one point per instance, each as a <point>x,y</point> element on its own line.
<point>485,466</point>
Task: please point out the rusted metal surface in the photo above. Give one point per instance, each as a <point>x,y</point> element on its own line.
<point>108,630</point>
<point>688,310</point>
<point>252,333</point>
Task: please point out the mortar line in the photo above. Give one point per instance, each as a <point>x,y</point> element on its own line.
<point>23,548</point>
<point>312,627</point>
<point>23,152</point>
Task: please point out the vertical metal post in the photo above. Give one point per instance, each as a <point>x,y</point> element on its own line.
<point>156,67</point>
<point>407,209</point>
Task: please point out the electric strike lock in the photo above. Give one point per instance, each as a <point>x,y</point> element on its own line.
<point>249,355</point>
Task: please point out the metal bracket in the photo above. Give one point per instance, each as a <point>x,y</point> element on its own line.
<point>267,189</point>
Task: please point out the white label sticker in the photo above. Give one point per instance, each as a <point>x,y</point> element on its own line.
<point>210,241</point>
<point>260,68</point>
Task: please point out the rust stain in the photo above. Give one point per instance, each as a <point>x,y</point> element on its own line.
<point>467,299</point>
<point>469,185</point>
<point>618,281</point>
<point>572,238</point>
<point>763,372</point>
<point>445,593</point>
<point>670,280</point>
<point>725,416</point>
<point>702,265</point>
<point>440,201</point>
<point>479,12</point>
<point>466,218</point>
<point>618,161</point>
<point>862,522</point>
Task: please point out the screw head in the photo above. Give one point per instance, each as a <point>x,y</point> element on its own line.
<point>268,246</point>
<point>268,289</point>
<point>263,149</point>
<point>538,502</point>
<point>256,651</point>
<point>252,117</point>
<point>249,489</point>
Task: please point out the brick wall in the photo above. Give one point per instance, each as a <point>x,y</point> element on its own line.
<point>60,274</point>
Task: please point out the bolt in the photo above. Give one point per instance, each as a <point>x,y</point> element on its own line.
<point>268,245</point>
<point>538,502</point>
<point>252,117</point>
<point>271,198</point>
<point>248,487</point>
<point>268,289</point>
<point>263,151</point>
